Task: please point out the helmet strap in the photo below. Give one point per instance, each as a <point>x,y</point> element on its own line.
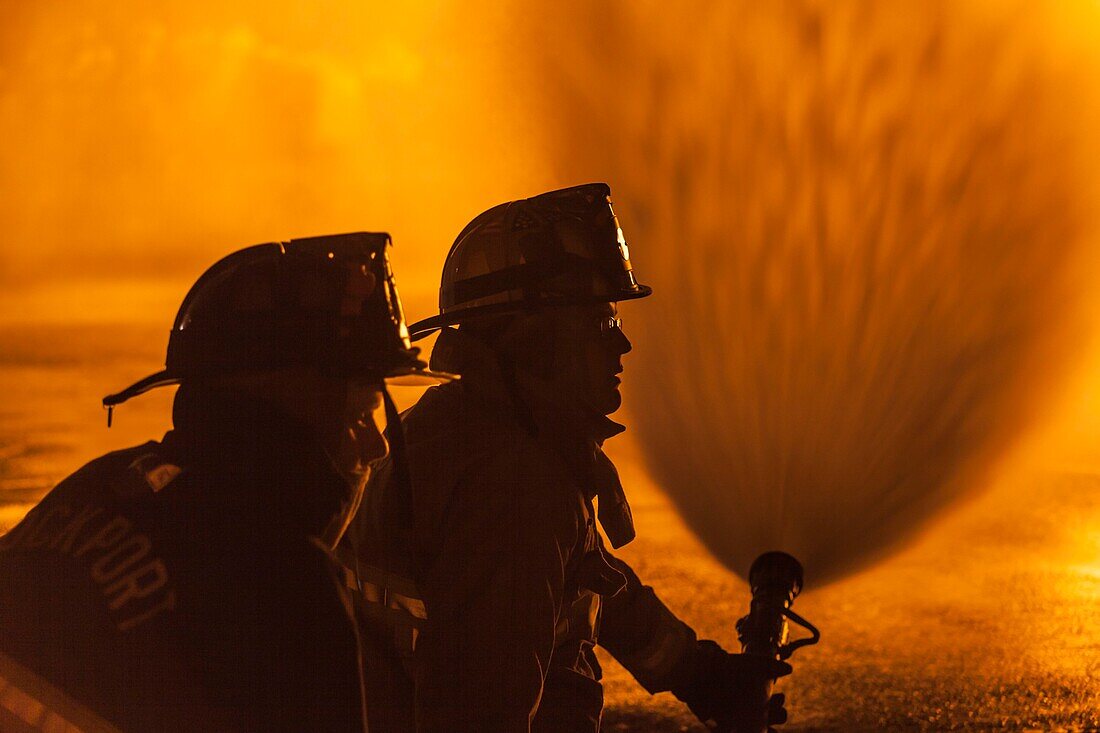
<point>401,481</point>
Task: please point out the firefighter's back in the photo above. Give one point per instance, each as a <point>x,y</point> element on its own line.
<point>140,595</point>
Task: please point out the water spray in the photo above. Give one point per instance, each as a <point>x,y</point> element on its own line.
<point>776,580</point>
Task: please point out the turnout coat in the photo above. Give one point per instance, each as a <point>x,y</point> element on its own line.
<point>485,589</point>
<point>177,586</point>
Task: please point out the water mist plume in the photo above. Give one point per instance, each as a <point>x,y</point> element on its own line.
<point>859,221</point>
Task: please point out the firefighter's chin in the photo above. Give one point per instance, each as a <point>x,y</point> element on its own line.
<point>608,399</point>
<point>357,483</point>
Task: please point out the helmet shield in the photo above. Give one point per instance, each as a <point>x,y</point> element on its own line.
<point>327,303</point>
<point>560,248</point>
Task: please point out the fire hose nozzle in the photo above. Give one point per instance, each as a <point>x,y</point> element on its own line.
<point>776,573</point>
<point>776,580</point>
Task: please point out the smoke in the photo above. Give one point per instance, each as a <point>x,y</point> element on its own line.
<point>860,218</point>
<point>861,221</point>
<point>147,140</point>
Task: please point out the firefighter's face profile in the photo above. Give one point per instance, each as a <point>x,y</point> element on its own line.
<point>345,415</point>
<point>360,442</point>
<point>361,439</point>
<point>589,346</point>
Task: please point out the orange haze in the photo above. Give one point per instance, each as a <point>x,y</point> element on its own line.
<point>863,220</point>
<point>146,140</point>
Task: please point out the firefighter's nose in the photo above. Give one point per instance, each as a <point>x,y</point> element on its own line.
<point>369,437</point>
<point>622,343</point>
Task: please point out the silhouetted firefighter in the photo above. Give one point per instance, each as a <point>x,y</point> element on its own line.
<point>492,570</point>
<point>187,584</point>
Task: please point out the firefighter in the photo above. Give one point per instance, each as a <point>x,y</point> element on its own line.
<point>188,584</point>
<point>487,583</point>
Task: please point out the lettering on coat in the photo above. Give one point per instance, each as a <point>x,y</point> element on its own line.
<point>119,560</point>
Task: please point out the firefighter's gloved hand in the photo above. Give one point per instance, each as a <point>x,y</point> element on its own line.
<point>719,686</point>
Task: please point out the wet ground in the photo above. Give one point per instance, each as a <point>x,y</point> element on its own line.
<point>990,622</point>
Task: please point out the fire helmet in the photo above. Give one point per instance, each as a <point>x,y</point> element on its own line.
<point>328,303</point>
<point>559,248</point>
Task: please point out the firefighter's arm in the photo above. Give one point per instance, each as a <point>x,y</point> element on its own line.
<point>644,635</point>
<point>493,599</point>
<point>663,654</point>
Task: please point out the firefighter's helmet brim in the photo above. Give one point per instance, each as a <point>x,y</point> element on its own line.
<point>400,377</point>
<point>163,378</point>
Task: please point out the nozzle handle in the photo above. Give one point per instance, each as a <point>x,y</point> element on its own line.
<point>786,650</point>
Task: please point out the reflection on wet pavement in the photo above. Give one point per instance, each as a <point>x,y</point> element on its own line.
<point>989,622</point>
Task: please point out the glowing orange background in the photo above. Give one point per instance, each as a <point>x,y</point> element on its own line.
<point>138,144</point>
